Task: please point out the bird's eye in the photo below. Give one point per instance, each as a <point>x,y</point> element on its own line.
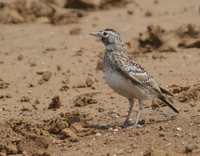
<point>105,33</point>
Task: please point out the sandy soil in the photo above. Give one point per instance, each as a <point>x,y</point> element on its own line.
<point>54,99</point>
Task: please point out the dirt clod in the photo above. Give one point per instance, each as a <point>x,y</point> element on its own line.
<point>148,13</point>
<point>68,133</point>
<point>46,75</point>
<point>55,103</point>
<point>69,126</point>
<point>178,88</point>
<point>58,125</point>
<point>188,150</point>
<point>77,126</point>
<point>75,31</point>
<point>20,57</point>
<point>191,93</point>
<point>156,152</point>
<point>25,99</point>
<point>64,87</point>
<point>89,82</point>
<point>99,65</point>
<point>84,100</point>
<point>153,37</point>
<point>41,81</point>
<point>3,85</point>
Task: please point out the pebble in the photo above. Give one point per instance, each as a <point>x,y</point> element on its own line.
<point>98,134</point>
<point>179,129</point>
<point>115,130</point>
<point>161,134</point>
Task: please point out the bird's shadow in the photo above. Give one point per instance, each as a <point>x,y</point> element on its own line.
<point>160,121</point>
<point>142,123</point>
<point>99,127</point>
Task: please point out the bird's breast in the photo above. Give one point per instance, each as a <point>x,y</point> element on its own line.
<point>123,85</point>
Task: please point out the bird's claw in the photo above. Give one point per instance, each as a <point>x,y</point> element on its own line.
<point>127,125</point>
<point>133,126</point>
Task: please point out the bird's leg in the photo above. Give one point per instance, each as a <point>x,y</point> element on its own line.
<point>138,115</point>
<point>139,111</point>
<point>131,103</point>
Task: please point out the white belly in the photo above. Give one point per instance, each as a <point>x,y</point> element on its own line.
<point>123,86</point>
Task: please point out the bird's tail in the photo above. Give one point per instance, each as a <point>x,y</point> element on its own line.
<point>163,99</point>
<point>164,91</point>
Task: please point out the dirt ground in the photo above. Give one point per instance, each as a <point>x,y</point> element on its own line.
<point>54,100</point>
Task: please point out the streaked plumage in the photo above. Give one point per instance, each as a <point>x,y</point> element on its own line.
<point>127,77</point>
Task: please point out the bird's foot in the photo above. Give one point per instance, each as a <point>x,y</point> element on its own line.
<point>133,126</point>
<point>128,125</point>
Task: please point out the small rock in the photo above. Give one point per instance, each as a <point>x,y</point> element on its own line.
<point>75,31</point>
<point>8,95</point>
<point>30,85</point>
<point>179,129</point>
<point>188,150</point>
<point>79,85</point>
<point>42,20</point>
<point>178,135</point>
<point>89,82</point>
<point>161,128</point>
<point>148,14</point>
<point>41,81</point>
<point>130,12</point>
<point>64,87</point>
<point>77,126</point>
<point>13,16</point>
<point>73,117</point>
<point>42,140</point>
<point>62,125</point>
<point>156,2</point>
<point>156,152</point>
<point>142,122</point>
<point>12,149</point>
<point>161,134</point>
<point>136,132</point>
<point>98,134</point>
<point>55,103</point>
<point>20,57</point>
<point>82,101</point>
<point>84,4</point>
<point>60,3</point>
<point>193,104</point>
<point>46,75</point>
<point>99,64</point>
<point>3,154</point>
<point>68,133</point>
<point>3,85</point>
<point>33,64</point>
<point>59,68</point>
<point>100,109</point>
<point>151,120</point>
<point>24,99</point>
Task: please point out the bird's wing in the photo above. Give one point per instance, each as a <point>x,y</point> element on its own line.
<point>136,73</point>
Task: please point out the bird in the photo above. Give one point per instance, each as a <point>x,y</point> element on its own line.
<point>127,77</point>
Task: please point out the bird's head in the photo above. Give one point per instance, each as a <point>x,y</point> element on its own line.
<point>108,36</point>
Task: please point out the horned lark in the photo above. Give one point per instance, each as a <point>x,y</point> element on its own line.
<point>127,77</point>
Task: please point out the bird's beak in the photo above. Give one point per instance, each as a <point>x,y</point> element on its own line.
<point>97,34</point>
